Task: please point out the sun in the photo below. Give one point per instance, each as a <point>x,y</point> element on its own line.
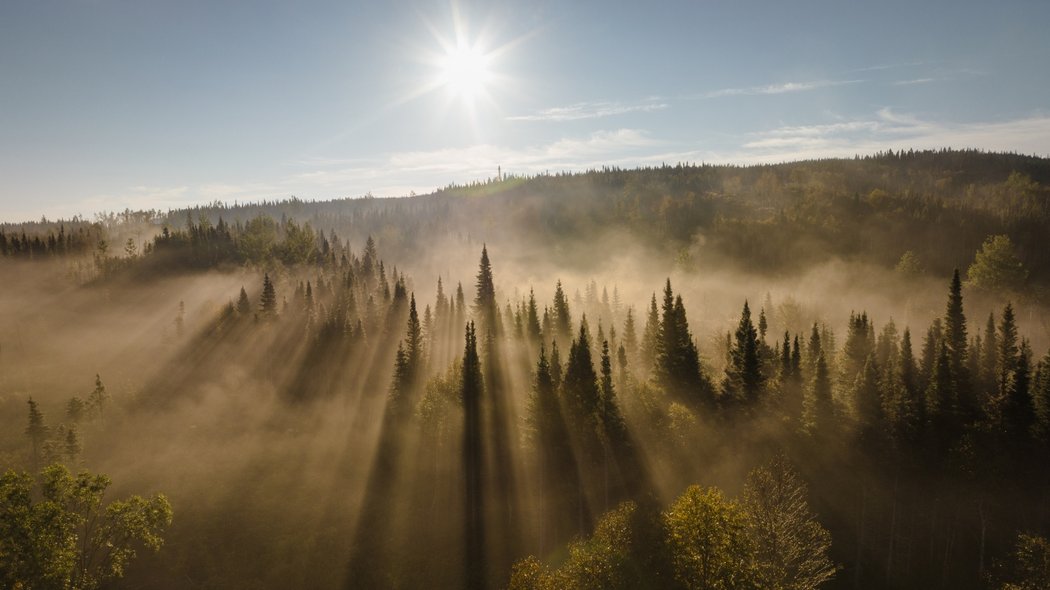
<point>464,72</point>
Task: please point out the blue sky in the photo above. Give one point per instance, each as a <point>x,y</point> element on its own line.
<point>107,104</point>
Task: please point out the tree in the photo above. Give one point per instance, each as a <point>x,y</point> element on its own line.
<point>244,307</point>
<point>819,410</point>
<point>485,299</point>
<point>792,546</point>
<point>996,266</point>
<point>955,339</point>
<point>1029,566</point>
<point>744,377</point>
<point>605,560</point>
<point>57,534</point>
<point>98,397</point>
<point>257,240</point>
<point>532,320</point>
<point>710,542</point>
<point>474,508</point>
<point>268,299</point>
<point>36,430</point>
<point>909,266</point>
<point>562,317</point>
<point>677,359</point>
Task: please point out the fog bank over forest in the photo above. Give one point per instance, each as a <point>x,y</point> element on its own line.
<point>519,381</point>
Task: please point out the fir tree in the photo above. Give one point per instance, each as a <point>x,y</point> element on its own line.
<point>244,307</point>
<point>1006,359</point>
<point>474,508</point>
<point>744,373</point>
<point>268,299</point>
<point>37,431</point>
<point>98,397</point>
<point>651,335</point>
<point>532,319</point>
<point>561,315</point>
<point>485,298</point>
<point>820,407</point>
<point>630,335</point>
<point>955,339</point>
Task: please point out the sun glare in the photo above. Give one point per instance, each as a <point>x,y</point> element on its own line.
<point>464,72</point>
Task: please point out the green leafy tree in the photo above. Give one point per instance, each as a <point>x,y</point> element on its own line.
<point>996,266</point>
<point>56,534</point>
<point>257,241</point>
<point>710,542</point>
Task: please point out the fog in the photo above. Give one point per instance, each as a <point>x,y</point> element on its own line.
<point>295,454</point>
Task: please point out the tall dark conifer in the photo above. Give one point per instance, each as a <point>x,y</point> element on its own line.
<point>474,505</point>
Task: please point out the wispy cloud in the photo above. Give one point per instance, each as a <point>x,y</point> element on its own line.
<point>784,88</point>
<point>881,67</point>
<point>914,82</point>
<point>889,129</point>
<point>589,110</point>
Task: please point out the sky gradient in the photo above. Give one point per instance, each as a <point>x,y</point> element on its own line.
<point>107,104</point>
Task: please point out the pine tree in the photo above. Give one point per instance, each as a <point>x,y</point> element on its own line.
<point>414,347</point>
<point>244,307</point>
<point>561,315</point>
<point>37,431</point>
<point>98,397</point>
<point>580,383</point>
<point>532,320</point>
<point>990,358</point>
<point>268,299</point>
<point>630,335</point>
<point>1006,359</point>
<point>955,338</point>
<point>1018,410</point>
<point>677,359</point>
<point>820,407</point>
<point>485,299</point>
<point>651,336</point>
<point>556,370</point>
<point>744,377</point>
<point>474,509</point>
<point>71,447</point>
<point>869,405</point>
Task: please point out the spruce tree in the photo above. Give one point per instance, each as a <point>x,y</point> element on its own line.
<point>630,335</point>
<point>990,358</point>
<point>1006,359</point>
<point>98,397</point>
<point>474,505</point>
<point>1018,410</point>
<point>268,299</point>
<point>868,405</point>
<point>485,298</point>
<point>532,320</point>
<point>37,431</point>
<point>744,373</point>
<point>560,315</point>
<point>244,307</point>
<point>955,339</point>
<point>819,406</point>
<point>651,336</point>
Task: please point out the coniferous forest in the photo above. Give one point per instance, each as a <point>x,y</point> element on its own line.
<point>820,374</point>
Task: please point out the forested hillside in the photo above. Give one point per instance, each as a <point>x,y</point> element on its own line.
<point>827,374</point>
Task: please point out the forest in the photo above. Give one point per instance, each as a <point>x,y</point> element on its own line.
<point>818,374</point>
